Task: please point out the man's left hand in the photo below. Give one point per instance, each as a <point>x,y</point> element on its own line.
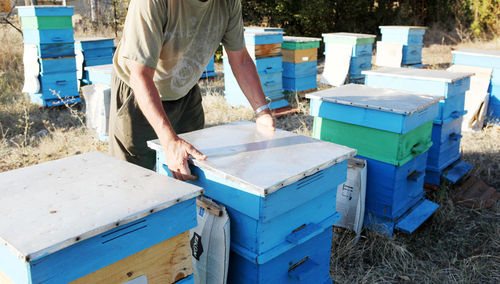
<point>265,122</point>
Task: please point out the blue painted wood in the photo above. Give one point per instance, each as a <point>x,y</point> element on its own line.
<point>97,52</point>
<point>252,38</point>
<point>30,11</point>
<point>383,120</point>
<point>300,84</point>
<point>357,80</point>
<point>392,190</point>
<point>48,36</point>
<point>98,61</point>
<point>433,175</point>
<point>433,87</point>
<point>403,35</point>
<point>359,64</point>
<point>456,171</point>
<point>39,100</point>
<point>208,74</point>
<point>93,43</point>
<point>416,217</point>
<point>259,224</point>
<point>99,78</point>
<point>450,109</point>
<point>210,66</point>
<point>17,270</point>
<point>57,65</point>
<point>187,280</point>
<point>271,81</point>
<point>297,70</point>
<point>386,226</point>
<point>281,269</point>
<point>362,50</point>
<point>274,95</point>
<point>412,54</point>
<point>95,253</point>
<point>65,84</point>
<point>54,50</point>
<point>266,65</point>
<point>494,110</point>
<point>445,143</point>
<point>476,60</point>
<point>494,91</point>
<point>277,104</point>
<point>495,76</point>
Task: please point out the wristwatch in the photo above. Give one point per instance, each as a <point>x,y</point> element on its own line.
<point>261,109</point>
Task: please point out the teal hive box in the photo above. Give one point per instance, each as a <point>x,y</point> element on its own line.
<point>75,216</point>
<point>280,191</point>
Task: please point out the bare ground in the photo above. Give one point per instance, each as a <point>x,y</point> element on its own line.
<point>457,245</point>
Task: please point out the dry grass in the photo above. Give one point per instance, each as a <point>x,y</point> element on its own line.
<point>457,245</point>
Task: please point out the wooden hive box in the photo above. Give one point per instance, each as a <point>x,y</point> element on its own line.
<point>300,55</point>
<point>488,59</point>
<point>92,218</point>
<point>407,35</point>
<point>99,74</point>
<point>451,85</point>
<point>280,191</point>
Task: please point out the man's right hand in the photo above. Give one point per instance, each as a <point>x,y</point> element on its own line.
<point>177,153</point>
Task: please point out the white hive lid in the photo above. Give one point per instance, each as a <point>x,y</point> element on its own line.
<point>300,39</point>
<point>348,35</point>
<point>51,206</point>
<point>261,163</point>
<point>422,74</point>
<point>106,68</point>
<point>404,27</point>
<point>478,52</point>
<point>381,99</point>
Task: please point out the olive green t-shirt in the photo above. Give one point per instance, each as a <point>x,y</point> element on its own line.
<point>177,38</point>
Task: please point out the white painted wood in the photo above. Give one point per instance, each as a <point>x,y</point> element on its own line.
<point>93,38</point>
<point>348,35</point>
<point>261,162</point>
<point>300,39</point>
<point>337,62</point>
<point>476,98</point>
<point>376,98</point>
<point>477,52</point>
<point>389,54</point>
<point>422,74</point>
<point>46,207</point>
<point>404,27</point>
<point>106,68</point>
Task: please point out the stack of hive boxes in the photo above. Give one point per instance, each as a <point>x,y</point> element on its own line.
<point>133,229</point>
<point>411,37</point>
<point>391,129</point>
<point>95,51</point>
<point>281,216</point>
<point>264,46</point>
<point>300,63</point>
<point>210,70</point>
<point>444,155</point>
<point>49,30</point>
<point>488,59</point>
<point>361,56</point>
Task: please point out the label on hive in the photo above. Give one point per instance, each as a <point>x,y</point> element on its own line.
<point>196,246</point>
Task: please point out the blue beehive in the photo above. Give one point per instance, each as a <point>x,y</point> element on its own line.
<point>95,51</point>
<point>394,193</point>
<point>488,59</point>
<point>361,56</point>
<point>300,63</point>
<point>210,70</point>
<point>277,212</point>
<point>99,74</point>
<point>87,226</point>
<point>265,48</point>
<point>411,37</point>
<point>55,52</point>
<point>444,153</point>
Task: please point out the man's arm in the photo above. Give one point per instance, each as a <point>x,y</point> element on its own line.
<point>246,74</point>
<point>177,151</point>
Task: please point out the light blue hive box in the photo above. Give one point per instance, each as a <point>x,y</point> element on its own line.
<point>488,59</point>
<point>444,153</point>
<point>412,38</point>
<point>65,219</point>
<point>280,192</point>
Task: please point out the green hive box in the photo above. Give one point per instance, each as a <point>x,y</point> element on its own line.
<point>291,42</point>
<point>388,147</point>
<point>349,38</point>
<point>47,23</point>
